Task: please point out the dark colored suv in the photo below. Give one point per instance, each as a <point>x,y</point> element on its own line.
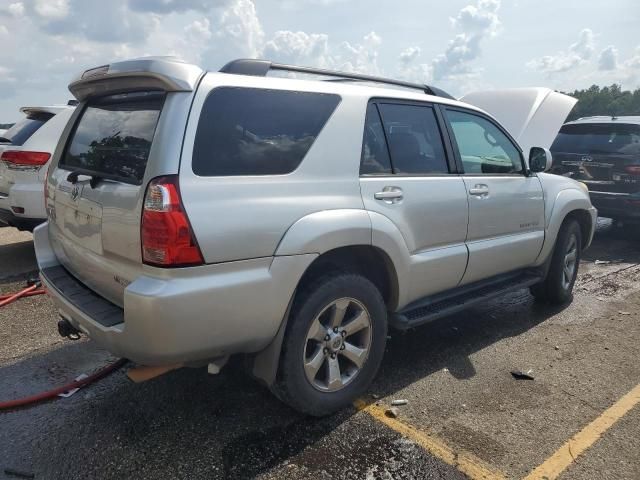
<point>603,153</point>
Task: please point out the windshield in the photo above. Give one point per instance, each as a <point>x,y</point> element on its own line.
<point>113,137</point>
<point>22,130</point>
<point>594,138</point>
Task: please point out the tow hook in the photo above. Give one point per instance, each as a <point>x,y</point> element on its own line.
<point>65,329</point>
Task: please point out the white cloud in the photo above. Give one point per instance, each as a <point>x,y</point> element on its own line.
<point>360,57</point>
<point>634,61</point>
<point>577,54</point>
<point>15,9</point>
<point>237,33</point>
<point>198,31</point>
<point>299,48</point>
<point>481,18</point>
<point>608,59</point>
<point>584,47</point>
<point>168,6</point>
<point>52,9</point>
<point>477,22</point>
<point>409,55</point>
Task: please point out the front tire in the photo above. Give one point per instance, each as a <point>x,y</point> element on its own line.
<point>557,287</point>
<point>334,343</point>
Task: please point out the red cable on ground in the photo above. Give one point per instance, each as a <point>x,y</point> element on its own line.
<point>29,291</point>
<point>21,402</point>
<point>28,294</point>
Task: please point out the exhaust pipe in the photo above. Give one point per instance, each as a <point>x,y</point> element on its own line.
<point>67,330</point>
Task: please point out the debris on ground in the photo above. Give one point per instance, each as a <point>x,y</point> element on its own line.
<point>520,375</point>
<point>392,412</point>
<point>602,262</point>
<point>18,473</point>
<point>374,396</point>
<point>397,403</point>
<point>556,347</point>
<point>624,313</point>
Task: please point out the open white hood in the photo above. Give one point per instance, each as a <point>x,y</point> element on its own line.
<point>533,116</point>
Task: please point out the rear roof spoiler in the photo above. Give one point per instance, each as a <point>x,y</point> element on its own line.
<point>53,109</point>
<point>149,73</point>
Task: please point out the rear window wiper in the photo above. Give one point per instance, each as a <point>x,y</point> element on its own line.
<point>93,182</point>
<point>5,140</point>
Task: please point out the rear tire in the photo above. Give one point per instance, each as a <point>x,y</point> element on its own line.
<point>557,287</point>
<point>334,343</point>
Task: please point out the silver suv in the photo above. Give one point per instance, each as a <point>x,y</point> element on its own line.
<point>194,215</point>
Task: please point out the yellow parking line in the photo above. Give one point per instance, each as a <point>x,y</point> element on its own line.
<point>567,453</point>
<point>465,462</point>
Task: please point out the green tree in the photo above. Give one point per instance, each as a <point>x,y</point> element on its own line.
<point>611,100</point>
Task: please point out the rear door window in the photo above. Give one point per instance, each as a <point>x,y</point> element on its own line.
<point>594,138</point>
<point>250,131</point>
<point>113,137</point>
<point>414,139</point>
<point>375,155</point>
<point>22,130</point>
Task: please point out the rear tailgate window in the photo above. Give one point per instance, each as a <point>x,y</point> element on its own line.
<point>22,130</point>
<point>113,137</point>
<point>594,138</point>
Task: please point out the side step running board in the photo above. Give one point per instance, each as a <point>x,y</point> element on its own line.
<point>442,305</point>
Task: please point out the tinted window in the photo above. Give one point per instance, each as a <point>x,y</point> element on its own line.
<point>248,131</point>
<point>375,156</point>
<point>594,138</point>
<point>114,135</point>
<point>482,145</point>
<point>414,139</point>
<point>22,131</point>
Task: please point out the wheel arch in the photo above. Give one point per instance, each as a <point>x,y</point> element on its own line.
<point>365,259</point>
<point>568,204</point>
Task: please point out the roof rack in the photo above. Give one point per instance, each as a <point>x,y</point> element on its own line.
<point>260,68</point>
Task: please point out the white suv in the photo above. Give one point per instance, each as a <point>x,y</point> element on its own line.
<point>25,152</point>
<point>194,215</point>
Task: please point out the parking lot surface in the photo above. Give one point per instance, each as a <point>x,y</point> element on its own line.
<point>466,415</point>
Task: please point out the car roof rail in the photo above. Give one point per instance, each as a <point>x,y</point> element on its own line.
<point>260,68</point>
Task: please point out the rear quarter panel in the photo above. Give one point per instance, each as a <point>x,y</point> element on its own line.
<point>240,217</point>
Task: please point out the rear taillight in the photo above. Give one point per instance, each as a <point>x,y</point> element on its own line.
<point>24,158</point>
<point>632,169</point>
<point>167,238</point>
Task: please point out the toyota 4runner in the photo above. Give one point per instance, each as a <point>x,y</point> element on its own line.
<point>195,215</point>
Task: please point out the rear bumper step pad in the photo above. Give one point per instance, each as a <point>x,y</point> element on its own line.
<point>84,299</point>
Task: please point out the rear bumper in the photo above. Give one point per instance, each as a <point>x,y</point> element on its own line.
<point>617,205</point>
<point>29,197</point>
<point>183,315</point>
<point>7,217</point>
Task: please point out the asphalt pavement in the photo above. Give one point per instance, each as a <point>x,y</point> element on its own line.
<point>466,415</point>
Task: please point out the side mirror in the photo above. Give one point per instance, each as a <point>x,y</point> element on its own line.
<point>540,159</point>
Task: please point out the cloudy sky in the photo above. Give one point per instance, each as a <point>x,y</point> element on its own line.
<point>459,45</point>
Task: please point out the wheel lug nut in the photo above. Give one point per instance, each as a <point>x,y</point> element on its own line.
<point>327,338</point>
<point>325,350</point>
<point>333,355</point>
<point>341,347</point>
<point>343,333</point>
<point>335,330</point>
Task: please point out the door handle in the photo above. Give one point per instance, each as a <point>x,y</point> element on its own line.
<point>479,190</point>
<point>389,195</point>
